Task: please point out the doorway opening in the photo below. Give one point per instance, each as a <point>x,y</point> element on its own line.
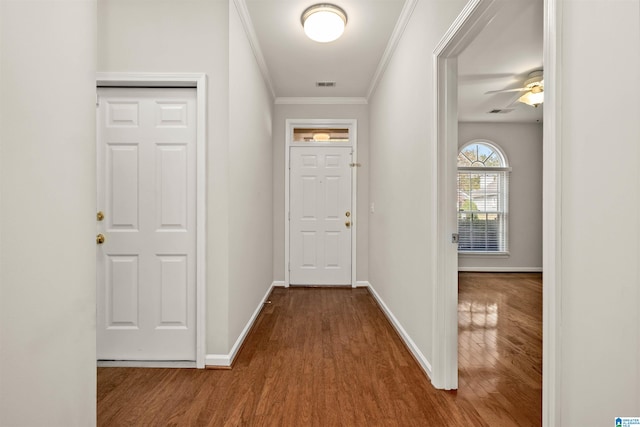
<point>475,16</point>
<point>499,210</point>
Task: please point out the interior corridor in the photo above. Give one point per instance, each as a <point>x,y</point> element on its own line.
<point>328,356</point>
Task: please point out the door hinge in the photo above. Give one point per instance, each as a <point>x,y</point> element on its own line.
<point>289,266</point>
<point>97,100</point>
<point>455,238</point>
<point>289,216</point>
<point>355,165</point>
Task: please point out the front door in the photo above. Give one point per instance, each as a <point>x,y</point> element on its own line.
<point>320,216</point>
<point>146,265</point>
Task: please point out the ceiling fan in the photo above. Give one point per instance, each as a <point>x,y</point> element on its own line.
<point>534,88</point>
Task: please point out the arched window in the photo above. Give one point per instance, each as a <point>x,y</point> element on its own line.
<point>483,198</point>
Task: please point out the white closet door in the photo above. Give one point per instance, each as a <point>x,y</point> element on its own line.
<point>146,284</point>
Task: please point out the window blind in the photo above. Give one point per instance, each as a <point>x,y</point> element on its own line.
<point>483,209</point>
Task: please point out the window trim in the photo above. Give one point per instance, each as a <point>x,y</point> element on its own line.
<point>487,168</point>
<point>505,253</point>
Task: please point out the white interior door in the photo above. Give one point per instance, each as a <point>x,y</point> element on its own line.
<point>146,267</point>
<point>320,216</point>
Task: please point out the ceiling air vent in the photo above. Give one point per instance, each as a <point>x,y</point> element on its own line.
<point>503,111</point>
<point>325,84</point>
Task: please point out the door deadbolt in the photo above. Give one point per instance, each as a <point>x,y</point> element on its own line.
<point>100,215</point>
<point>347,214</point>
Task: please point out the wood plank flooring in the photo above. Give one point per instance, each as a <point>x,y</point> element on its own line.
<point>328,357</point>
<point>500,346</point>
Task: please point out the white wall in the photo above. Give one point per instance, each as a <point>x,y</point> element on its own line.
<point>47,213</point>
<point>401,150</point>
<point>284,112</point>
<point>600,280</point>
<point>522,144</point>
<point>250,181</point>
<point>197,36</point>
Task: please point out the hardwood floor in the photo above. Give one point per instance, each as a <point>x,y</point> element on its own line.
<point>328,357</point>
<point>500,346</point>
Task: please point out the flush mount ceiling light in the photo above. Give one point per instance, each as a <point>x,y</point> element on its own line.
<point>323,22</point>
<point>321,136</point>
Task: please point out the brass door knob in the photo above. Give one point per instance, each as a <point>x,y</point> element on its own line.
<point>100,239</point>
<point>348,224</point>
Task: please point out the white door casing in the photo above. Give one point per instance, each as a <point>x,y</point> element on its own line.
<point>146,267</point>
<point>320,215</point>
<point>351,126</point>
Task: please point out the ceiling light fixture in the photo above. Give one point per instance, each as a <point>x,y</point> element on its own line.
<point>321,136</point>
<point>533,98</point>
<point>323,22</point>
<point>535,84</point>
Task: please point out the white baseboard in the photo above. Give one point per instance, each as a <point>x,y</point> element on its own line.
<point>363,284</point>
<point>144,364</point>
<point>501,269</point>
<point>226,360</point>
<point>217,360</point>
<point>413,348</point>
<point>278,284</point>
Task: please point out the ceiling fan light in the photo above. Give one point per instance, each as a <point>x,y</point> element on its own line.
<point>324,22</point>
<point>532,98</point>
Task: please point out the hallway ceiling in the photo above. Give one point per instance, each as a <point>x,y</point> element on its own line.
<point>500,58</point>
<point>296,63</point>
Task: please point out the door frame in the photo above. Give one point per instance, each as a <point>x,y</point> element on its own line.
<point>199,82</point>
<point>475,15</point>
<point>290,125</point>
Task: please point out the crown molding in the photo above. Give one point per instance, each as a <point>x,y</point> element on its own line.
<point>403,20</point>
<point>321,100</point>
<point>247,24</point>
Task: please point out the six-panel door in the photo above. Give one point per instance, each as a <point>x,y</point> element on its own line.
<point>147,191</point>
<point>320,216</point>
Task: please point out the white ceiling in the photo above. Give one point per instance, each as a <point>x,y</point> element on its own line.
<point>500,58</point>
<point>295,62</point>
